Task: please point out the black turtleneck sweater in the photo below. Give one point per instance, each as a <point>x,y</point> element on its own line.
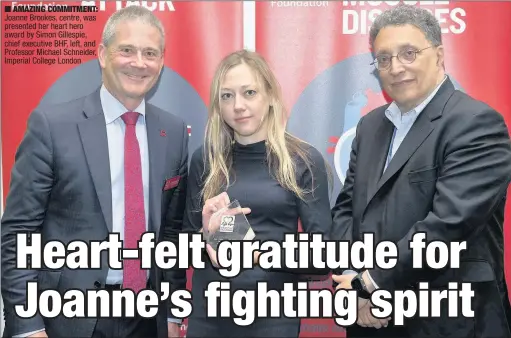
<point>274,211</point>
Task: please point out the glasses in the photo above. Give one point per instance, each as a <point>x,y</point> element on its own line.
<point>148,54</point>
<point>406,56</point>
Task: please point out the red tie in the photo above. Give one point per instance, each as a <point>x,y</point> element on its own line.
<point>134,216</point>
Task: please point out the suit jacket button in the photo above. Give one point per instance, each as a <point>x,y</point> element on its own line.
<point>97,284</point>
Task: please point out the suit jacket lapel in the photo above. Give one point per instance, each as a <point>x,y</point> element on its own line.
<point>95,144</point>
<point>157,144</point>
<point>420,130</point>
<point>379,150</point>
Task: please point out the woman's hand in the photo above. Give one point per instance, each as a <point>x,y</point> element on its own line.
<point>213,205</point>
<point>211,222</point>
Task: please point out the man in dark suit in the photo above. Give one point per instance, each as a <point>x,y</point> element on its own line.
<point>436,161</point>
<point>105,163</point>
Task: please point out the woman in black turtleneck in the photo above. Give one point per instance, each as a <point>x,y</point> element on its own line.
<point>278,177</point>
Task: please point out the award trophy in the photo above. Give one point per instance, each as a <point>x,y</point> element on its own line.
<point>228,224</point>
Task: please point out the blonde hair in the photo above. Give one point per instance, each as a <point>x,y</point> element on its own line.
<point>282,148</point>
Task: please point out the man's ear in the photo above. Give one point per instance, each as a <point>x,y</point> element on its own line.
<point>440,56</point>
<point>102,55</point>
<point>162,58</point>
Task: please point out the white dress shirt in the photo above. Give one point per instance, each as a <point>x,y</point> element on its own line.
<point>402,122</point>
<point>115,128</point>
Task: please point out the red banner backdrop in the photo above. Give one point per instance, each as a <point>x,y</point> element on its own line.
<point>198,36</point>
<point>320,53</point>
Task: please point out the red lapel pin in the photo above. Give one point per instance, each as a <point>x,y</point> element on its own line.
<point>163,133</point>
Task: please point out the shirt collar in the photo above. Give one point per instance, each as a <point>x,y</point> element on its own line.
<point>395,115</point>
<point>113,109</point>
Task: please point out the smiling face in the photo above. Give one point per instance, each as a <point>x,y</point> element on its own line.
<point>244,104</point>
<point>132,62</point>
<point>408,84</point>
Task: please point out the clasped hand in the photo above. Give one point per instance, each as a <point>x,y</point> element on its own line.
<point>364,316</point>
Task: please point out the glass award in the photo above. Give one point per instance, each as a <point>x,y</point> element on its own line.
<point>229,224</point>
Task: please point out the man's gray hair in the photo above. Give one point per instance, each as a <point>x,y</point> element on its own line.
<point>131,13</point>
<point>408,15</point>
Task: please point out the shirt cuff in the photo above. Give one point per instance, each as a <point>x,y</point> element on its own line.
<point>23,335</point>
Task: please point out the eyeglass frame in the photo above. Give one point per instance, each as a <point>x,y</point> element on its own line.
<point>375,62</point>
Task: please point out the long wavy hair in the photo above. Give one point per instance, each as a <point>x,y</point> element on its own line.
<point>282,148</point>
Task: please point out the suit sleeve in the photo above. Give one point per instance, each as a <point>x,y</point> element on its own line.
<point>472,181</point>
<point>174,220</point>
<point>193,214</point>
<point>314,209</point>
<point>342,212</point>
<point>32,180</point>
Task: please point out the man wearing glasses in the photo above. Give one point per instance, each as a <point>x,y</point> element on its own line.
<point>434,161</point>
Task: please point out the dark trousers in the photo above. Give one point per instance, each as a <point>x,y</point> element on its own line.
<point>134,327</point>
<point>225,327</point>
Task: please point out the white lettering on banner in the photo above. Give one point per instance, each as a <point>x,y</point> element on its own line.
<point>160,6</point>
<point>357,16</point>
<point>396,2</point>
<point>299,3</point>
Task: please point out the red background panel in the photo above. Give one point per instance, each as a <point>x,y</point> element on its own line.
<point>302,42</point>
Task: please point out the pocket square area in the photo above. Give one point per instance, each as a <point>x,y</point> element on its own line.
<point>171,182</point>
